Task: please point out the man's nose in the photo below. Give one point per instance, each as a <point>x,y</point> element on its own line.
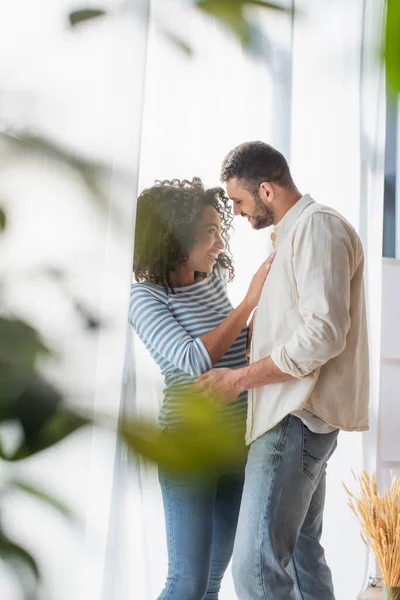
<point>236,210</point>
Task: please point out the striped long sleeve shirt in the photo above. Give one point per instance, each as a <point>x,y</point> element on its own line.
<point>171,325</point>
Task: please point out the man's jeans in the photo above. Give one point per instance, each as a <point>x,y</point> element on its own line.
<point>201,519</point>
<point>277,554</point>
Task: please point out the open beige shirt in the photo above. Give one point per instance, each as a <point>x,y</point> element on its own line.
<point>311,320</point>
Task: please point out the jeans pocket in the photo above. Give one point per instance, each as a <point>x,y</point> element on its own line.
<point>317,449</point>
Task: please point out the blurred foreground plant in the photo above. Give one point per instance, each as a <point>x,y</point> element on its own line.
<point>204,441</point>
<point>35,411</point>
<point>33,407</point>
<point>37,408</point>
<point>391,48</point>
<point>233,15</point>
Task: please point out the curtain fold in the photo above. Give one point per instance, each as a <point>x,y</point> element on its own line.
<point>314,89</point>
<point>119,90</point>
<point>66,267</point>
<point>338,129</point>
<point>114,561</point>
<point>196,109</point>
<point>372,181</point>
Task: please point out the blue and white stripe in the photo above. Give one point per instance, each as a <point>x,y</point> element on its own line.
<point>171,325</point>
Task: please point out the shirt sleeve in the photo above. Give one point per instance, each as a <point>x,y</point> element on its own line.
<point>324,262</point>
<point>159,330</point>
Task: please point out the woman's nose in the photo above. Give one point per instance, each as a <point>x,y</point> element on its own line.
<point>220,243</point>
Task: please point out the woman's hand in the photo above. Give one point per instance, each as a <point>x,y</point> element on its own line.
<point>257,283</point>
<point>220,339</point>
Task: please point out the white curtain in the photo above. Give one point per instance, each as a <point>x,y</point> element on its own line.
<point>196,109</point>
<point>318,95</point>
<point>311,88</point>
<point>82,89</point>
<point>338,129</point>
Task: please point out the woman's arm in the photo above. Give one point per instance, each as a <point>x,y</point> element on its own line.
<point>220,339</point>
<point>160,331</point>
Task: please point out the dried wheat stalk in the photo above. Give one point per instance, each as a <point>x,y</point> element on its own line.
<point>379,517</point>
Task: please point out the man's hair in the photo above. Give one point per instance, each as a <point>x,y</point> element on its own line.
<point>254,162</point>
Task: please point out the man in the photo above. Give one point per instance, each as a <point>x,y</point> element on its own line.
<point>308,377</point>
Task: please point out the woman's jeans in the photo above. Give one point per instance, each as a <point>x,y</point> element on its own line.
<point>201,517</point>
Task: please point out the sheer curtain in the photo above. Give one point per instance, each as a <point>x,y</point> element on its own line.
<point>338,129</point>
<point>313,88</point>
<point>196,109</point>
<point>82,89</point>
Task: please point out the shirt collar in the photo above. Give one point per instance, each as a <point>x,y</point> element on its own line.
<point>287,222</point>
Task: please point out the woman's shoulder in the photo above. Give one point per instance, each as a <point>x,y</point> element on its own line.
<point>145,289</point>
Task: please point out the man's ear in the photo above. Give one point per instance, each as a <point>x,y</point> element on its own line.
<point>266,192</point>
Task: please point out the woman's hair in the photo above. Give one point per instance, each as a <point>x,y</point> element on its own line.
<point>166,219</point>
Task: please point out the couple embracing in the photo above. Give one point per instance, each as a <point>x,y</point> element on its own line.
<point>307,377</point>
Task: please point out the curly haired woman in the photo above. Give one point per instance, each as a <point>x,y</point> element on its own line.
<point>181,311</point>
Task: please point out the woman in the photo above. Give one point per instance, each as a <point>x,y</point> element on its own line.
<point>181,311</point>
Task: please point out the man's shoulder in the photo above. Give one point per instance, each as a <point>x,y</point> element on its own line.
<point>315,213</point>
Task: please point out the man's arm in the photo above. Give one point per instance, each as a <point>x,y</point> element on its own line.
<point>227,384</point>
<point>263,372</point>
<point>324,261</point>
<point>323,265</point>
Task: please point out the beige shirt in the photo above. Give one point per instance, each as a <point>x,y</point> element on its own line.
<point>311,320</point>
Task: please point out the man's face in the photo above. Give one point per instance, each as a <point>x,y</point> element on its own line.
<point>258,213</point>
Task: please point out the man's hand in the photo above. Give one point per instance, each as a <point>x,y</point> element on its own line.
<point>222,383</point>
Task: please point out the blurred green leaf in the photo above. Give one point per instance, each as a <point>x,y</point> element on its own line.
<point>20,343</point>
<point>27,141</point>
<point>91,321</point>
<point>20,349</point>
<point>13,553</point>
<point>232,13</point>
<point>93,174</point>
<point>78,16</point>
<point>264,4</point>
<point>43,497</point>
<point>2,220</point>
<point>204,441</point>
<point>56,429</point>
<point>89,171</point>
<point>392,45</point>
<point>32,401</point>
<point>177,41</point>
<point>53,272</point>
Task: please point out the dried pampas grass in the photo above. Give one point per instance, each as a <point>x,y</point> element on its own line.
<point>379,517</point>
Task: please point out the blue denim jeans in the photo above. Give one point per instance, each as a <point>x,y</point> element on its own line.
<point>277,554</point>
<point>201,518</point>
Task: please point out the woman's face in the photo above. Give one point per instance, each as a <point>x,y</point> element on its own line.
<point>208,243</point>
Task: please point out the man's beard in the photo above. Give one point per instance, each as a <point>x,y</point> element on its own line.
<point>264,217</point>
